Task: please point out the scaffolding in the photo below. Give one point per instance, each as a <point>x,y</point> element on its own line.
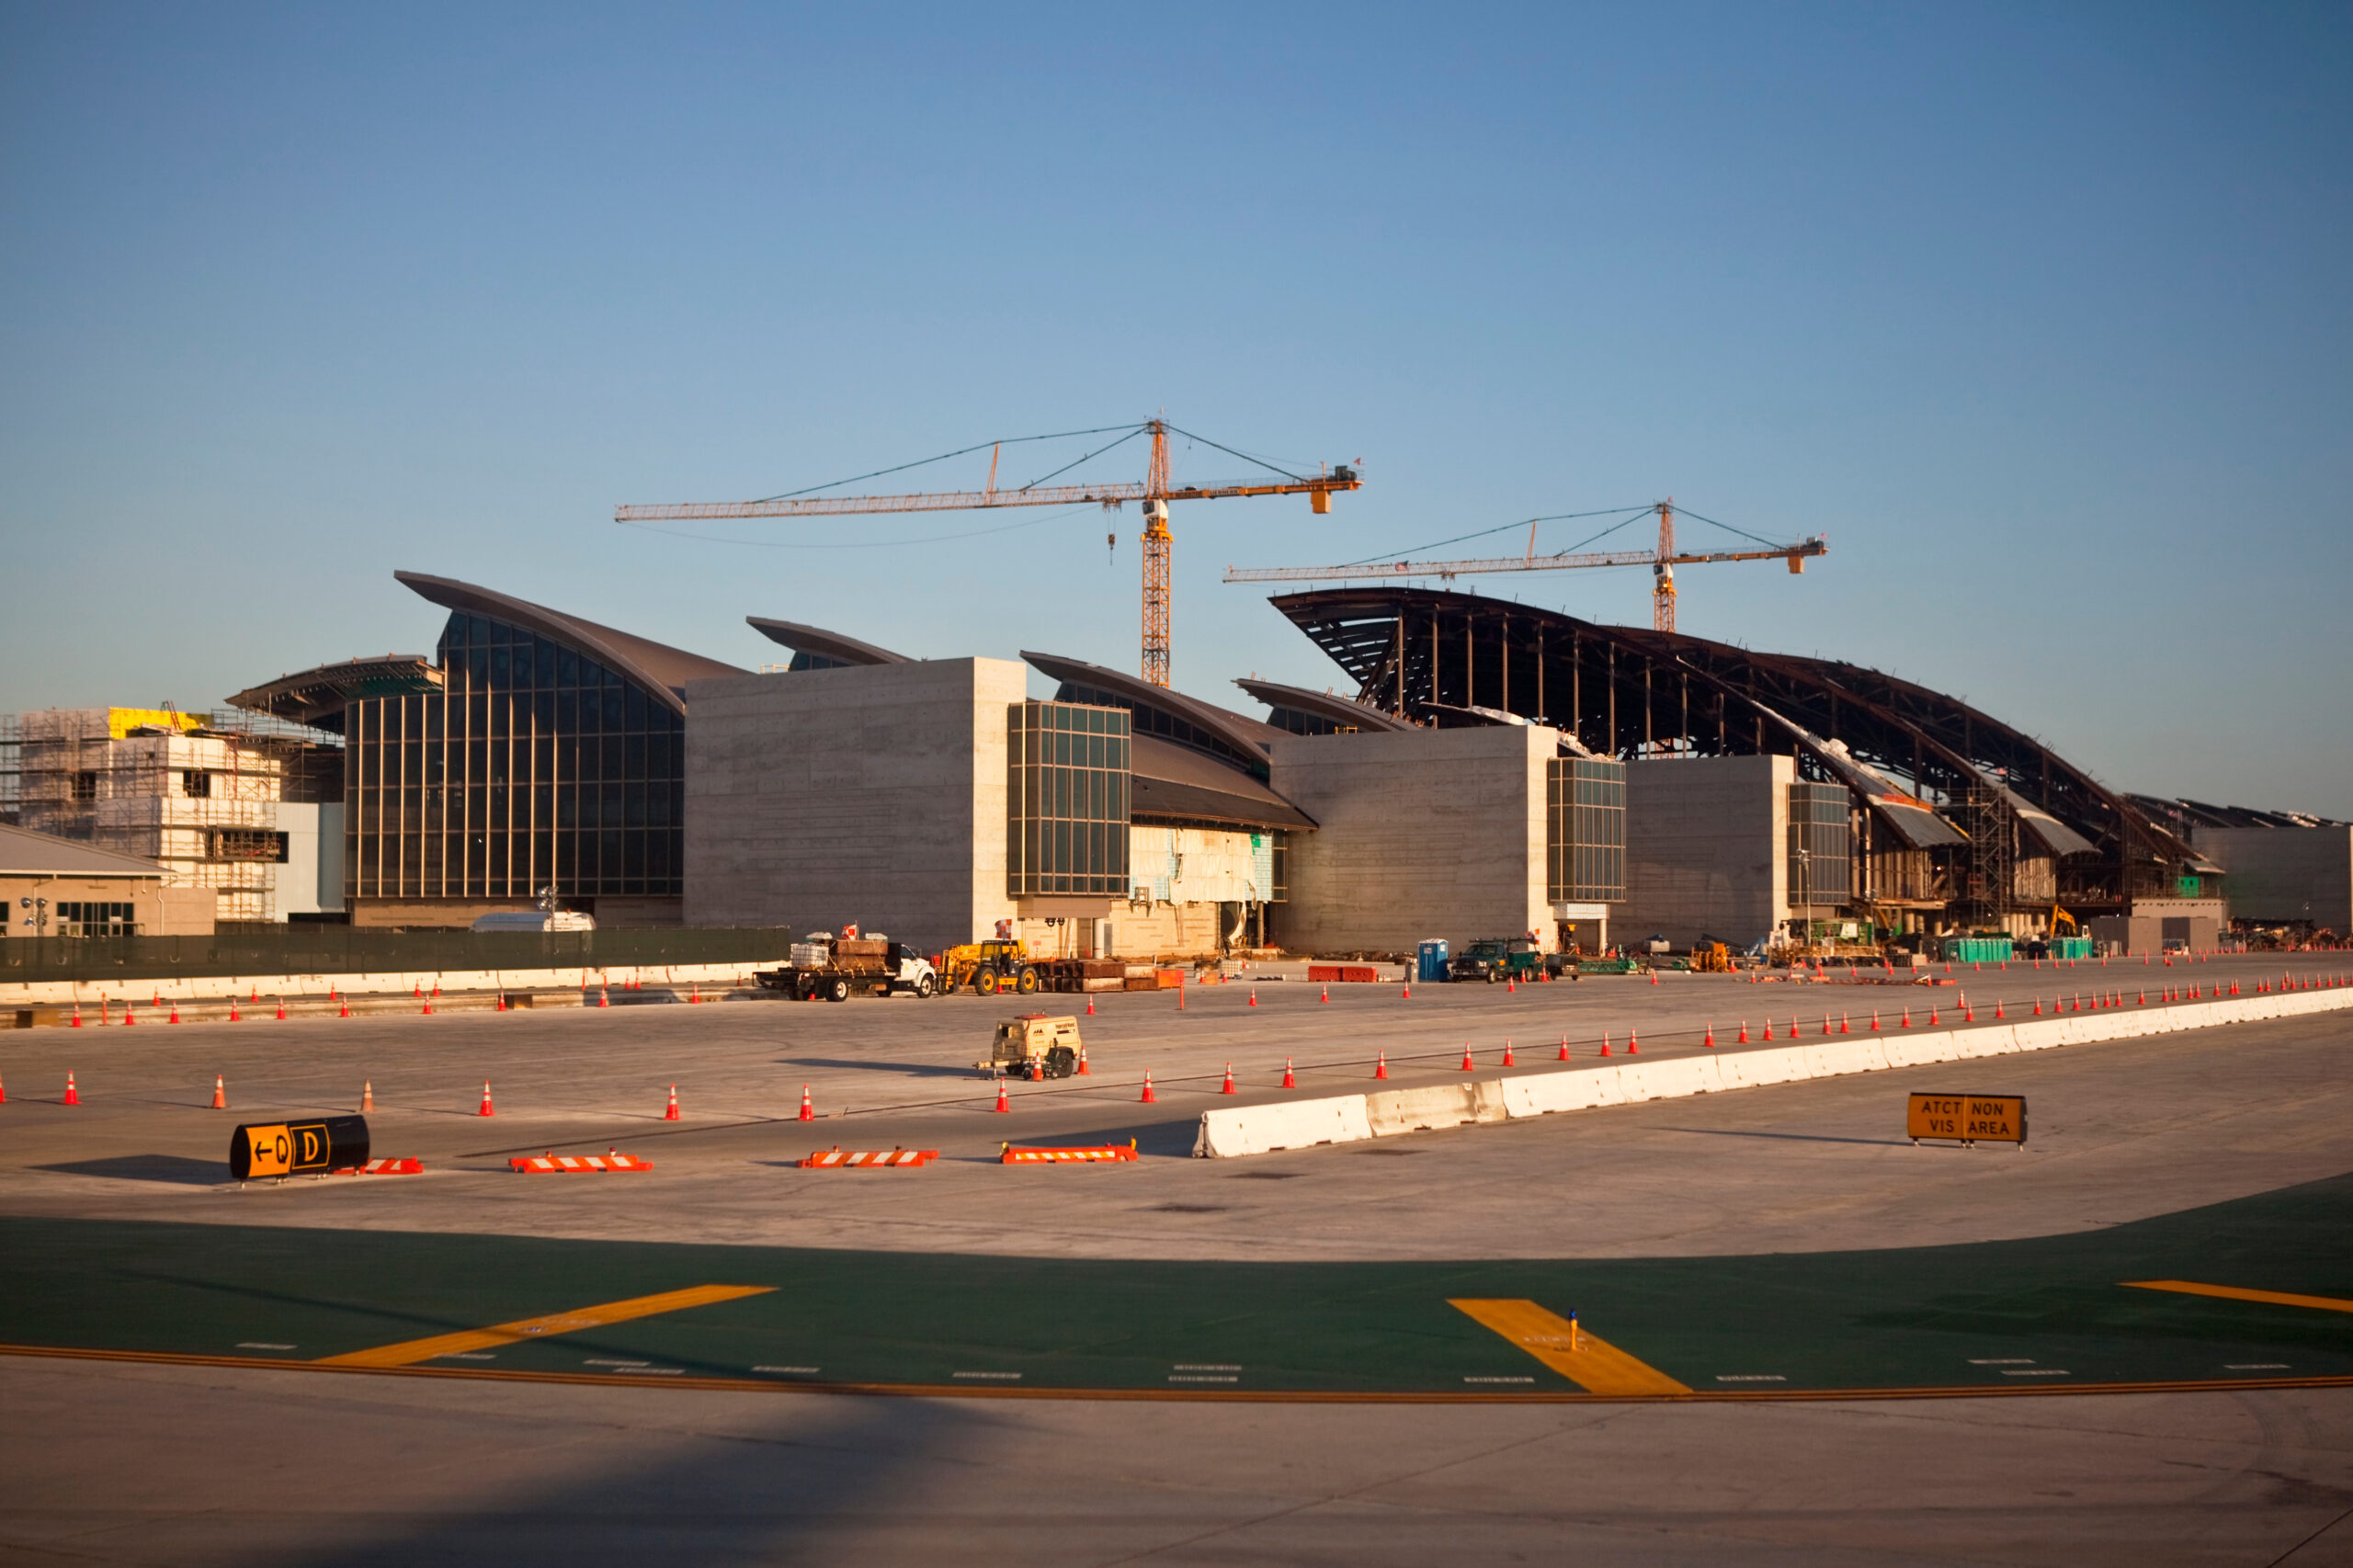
<point>195,794</point>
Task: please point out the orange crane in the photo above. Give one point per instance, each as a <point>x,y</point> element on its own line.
<point>1155,492</point>
<point>1661,563</point>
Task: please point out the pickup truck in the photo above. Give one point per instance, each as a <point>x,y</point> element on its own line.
<point>1492,958</point>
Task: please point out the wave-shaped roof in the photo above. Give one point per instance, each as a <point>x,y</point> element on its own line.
<point>662,671</point>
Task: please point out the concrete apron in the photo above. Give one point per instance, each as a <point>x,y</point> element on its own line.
<point>1347,1118</point>
<point>214,987</point>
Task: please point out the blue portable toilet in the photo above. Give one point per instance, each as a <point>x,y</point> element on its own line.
<point>1431,963</point>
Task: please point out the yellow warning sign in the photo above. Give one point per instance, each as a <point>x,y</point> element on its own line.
<point>268,1150</point>
<point>296,1148</point>
<point>1967,1119</point>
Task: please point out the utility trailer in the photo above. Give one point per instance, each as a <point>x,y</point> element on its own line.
<point>836,967</point>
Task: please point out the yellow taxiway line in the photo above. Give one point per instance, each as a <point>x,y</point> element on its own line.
<point>2236,1293</point>
<point>409,1352</point>
<point>1592,1364</point>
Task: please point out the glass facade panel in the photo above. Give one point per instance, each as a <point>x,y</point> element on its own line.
<point>1821,845</point>
<point>1065,799</point>
<point>1584,834</point>
<point>524,774</point>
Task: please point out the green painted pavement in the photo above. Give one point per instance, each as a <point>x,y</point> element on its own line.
<point>1998,1315</point>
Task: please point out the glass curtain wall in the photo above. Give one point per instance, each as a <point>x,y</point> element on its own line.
<point>1820,845</point>
<point>1066,800</point>
<point>535,766</point>
<point>1584,829</point>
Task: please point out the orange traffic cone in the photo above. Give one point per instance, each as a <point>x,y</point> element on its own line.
<point>1082,1061</point>
<point>1325,995</point>
<point>281,1009</point>
<point>1408,994</point>
<point>4,1094</point>
<point>1149,1098</point>
<point>428,1007</point>
<point>366,1096</point>
<point>1710,1041</point>
<point>1997,1008</point>
<point>1769,1025</point>
<point>694,994</point>
<point>500,1004</point>
<point>1932,1014</point>
<point>77,1012</point>
<point>1907,1017</point>
<point>1466,1056</point>
<point>1507,1060</point>
<point>1844,1027</point>
<point>255,997</point>
<point>808,1111</point>
<point>1511,984</point>
<point>1634,1043</point>
<point>1380,1065</point>
<point>1291,1079</point>
<point>485,1109</point>
<point>1254,996</point>
<point>1003,1104</point>
<point>1605,1042</point>
<point>416,990</point>
<point>1564,1047</point>
<point>1229,1080</point>
<point>603,998</point>
<point>1090,1006</point>
<point>1654,977</point>
<point>347,1008</point>
<point>1744,1033</point>
<point>220,1093</point>
<point>72,1094</point>
<point>233,1011</point>
<point>130,1013</point>
<point>671,1113</point>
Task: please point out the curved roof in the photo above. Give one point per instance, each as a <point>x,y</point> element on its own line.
<point>1187,722</point>
<point>816,643</point>
<point>1171,783</point>
<point>317,696</point>
<point>1323,705</point>
<point>1622,688</point>
<point>662,671</point>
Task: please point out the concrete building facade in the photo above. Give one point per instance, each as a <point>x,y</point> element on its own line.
<point>53,887</point>
<point>1707,848</point>
<point>1419,833</point>
<point>2286,876</point>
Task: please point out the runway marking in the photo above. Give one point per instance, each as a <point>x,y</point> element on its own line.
<point>261,1345</point>
<point>1594,1365</point>
<point>2238,1293</point>
<point>1750,1378</point>
<point>2042,1372</point>
<point>411,1351</point>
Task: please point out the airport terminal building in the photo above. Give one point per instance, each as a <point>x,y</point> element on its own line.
<point>1499,771</point>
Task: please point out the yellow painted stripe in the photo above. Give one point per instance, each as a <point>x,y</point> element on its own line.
<point>411,1351</point>
<point>1592,1364</point>
<point>2234,1293</point>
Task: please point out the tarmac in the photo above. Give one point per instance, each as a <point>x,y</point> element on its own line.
<point>1776,1252</point>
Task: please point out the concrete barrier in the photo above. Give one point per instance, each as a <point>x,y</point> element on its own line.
<point>1256,1129</point>
<point>1301,1124</point>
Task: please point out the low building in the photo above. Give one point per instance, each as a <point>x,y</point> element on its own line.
<point>54,887</point>
<point>2289,876</point>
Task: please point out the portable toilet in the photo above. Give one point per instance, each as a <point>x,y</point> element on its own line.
<point>1430,962</point>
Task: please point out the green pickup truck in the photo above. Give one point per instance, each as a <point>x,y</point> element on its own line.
<point>1494,958</point>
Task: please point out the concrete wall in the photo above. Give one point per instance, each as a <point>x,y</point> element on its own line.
<point>1433,833</point>
<point>1706,849</point>
<point>156,910</point>
<point>2285,873</point>
<point>873,794</point>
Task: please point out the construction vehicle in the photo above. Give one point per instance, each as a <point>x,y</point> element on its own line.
<point>1711,958</point>
<point>834,966</point>
<point>1003,964</point>
<point>1492,958</point>
<point>1033,1046</point>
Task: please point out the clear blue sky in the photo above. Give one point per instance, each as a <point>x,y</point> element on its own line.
<point>2040,314</point>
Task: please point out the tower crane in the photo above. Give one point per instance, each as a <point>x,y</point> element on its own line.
<point>1661,563</point>
<point>1155,492</point>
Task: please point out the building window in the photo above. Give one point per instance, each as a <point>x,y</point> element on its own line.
<point>1820,845</point>
<point>1066,800</point>
<point>195,782</point>
<point>1584,829</point>
<point>238,844</point>
<point>86,784</point>
<point>95,920</point>
<point>535,766</point>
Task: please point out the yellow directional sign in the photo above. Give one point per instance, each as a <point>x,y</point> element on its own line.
<point>1967,1119</point>
<point>284,1148</point>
